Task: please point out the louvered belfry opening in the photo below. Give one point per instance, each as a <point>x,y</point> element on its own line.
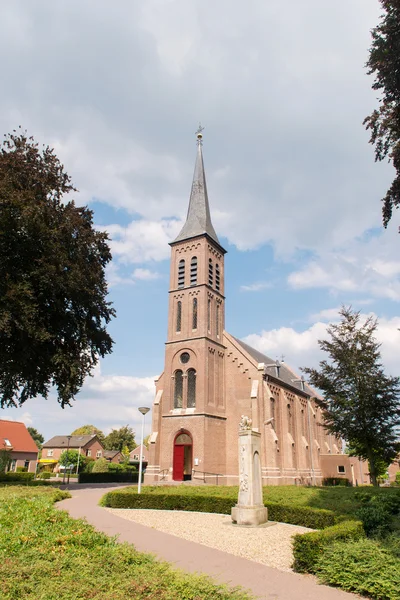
<point>193,271</point>
<point>181,274</point>
<point>210,273</point>
<point>217,278</point>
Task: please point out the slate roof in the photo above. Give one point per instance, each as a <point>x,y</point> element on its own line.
<point>110,453</point>
<point>18,436</point>
<point>198,220</point>
<point>61,441</point>
<point>285,373</point>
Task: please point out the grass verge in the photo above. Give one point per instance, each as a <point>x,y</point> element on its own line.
<point>45,554</point>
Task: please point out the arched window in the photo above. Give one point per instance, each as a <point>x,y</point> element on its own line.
<point>181,274</point>
<point>178,316</point>
<point>178,391</point>
<point>209,315</point>
<point>194,315</point>
<point>217,278</point>
<point>191,389</point>
<point>290,419</point>
<point>210,273</point>
<point>272,412</point>
<point>217,321</point>
<point>193,271</point>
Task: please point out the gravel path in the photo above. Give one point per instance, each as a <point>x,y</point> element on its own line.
<point>269,545</point>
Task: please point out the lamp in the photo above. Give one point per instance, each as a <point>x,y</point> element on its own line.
<point>143,410</point>
<point>65,466</point>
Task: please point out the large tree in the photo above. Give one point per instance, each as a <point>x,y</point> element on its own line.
<point>119,438</point>
<point>37,437</point>
<point>361,403</point>
<point>89,430</point>
<point>384,122</point>
<point>53,307</point>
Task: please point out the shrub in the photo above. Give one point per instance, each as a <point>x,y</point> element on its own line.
<point>17,477</point>
<point>376,513</point>
<point>296,515</point>
<point>341,481</point>
<point>44,475</point>
<point>397,480</point>
<point>22,470</point>
<point>89,465</point>
<point>126,477</point>
<point>309,547</point>
<point>364,567</point>
<point>100,466</point>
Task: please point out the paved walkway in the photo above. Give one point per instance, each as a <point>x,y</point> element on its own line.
<point>264,582</point>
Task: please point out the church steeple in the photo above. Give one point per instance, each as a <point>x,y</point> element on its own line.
<point>198,220</point>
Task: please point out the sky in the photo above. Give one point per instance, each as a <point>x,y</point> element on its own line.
<point>282,90</point>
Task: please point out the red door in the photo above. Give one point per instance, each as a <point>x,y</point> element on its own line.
<point>178,466</point>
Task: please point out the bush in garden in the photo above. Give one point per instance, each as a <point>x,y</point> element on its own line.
<point>100,466</point>
<point>364,567</point>
<point>309,547</point>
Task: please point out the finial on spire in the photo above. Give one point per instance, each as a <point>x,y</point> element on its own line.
<point>199,135</point>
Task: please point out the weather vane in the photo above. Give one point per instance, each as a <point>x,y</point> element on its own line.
<point>199,134</point>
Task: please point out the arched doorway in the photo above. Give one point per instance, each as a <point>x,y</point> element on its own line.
<point>182,463</point>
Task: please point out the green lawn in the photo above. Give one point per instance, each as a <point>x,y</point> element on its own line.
<point>341,500</point>
<point>47,555</point>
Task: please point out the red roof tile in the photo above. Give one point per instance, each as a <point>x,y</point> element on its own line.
<point>18,436</point>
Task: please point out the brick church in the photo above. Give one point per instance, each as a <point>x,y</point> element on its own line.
<point>211,378</point>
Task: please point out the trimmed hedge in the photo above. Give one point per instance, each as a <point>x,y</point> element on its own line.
<point>296,515</point>
<point>17,477</point>
<point>308,548</point>
<point>115,477</point>
<point>337,481</point>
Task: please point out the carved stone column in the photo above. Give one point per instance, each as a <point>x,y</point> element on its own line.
<point>250,509</point>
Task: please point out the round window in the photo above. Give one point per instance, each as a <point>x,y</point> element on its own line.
<point>185,357</point>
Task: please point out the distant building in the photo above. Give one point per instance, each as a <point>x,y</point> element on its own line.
<point>114,456</point>
<point>211,378</point>
<point>87,445</point>
<point>134,455</point>
<point>15,437</point>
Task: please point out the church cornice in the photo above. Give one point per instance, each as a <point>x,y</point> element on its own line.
<point>198,237</point>
<point>203,414</point>
<point>197,287</point>
<point>291,388</point>
<point>192,339</point>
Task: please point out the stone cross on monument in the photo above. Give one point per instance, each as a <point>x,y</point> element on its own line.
<point>250,509</point>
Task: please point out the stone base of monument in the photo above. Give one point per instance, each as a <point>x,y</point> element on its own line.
<point>252,516</point>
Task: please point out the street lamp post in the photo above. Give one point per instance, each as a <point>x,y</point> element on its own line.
<point>69,439</point>
<point>143,410</point>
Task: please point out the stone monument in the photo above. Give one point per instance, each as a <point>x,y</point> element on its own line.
<point>250,509</point>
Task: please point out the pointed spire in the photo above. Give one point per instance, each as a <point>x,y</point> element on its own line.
<point>198,220</point>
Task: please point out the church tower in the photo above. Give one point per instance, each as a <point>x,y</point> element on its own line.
<point>189,411</point>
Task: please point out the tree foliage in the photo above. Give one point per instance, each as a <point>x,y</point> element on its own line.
<point>70,457</point>
<point>384,122</point>
<point>361,403</point>
<point>53,308</point>
<point>36,436</point>
<point>5,459</point>
<point>119,438</point>
<point>89,430</point>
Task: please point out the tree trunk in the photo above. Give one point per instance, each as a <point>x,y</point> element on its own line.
<point>372,471</point>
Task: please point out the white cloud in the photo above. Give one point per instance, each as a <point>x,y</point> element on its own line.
<point>256,287</point>
<point>104,401</point>
<point>301,348</point>
<point>145,274</point>
<point>362,266</point>
<point>142,241</point>
<point>121,91</point>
